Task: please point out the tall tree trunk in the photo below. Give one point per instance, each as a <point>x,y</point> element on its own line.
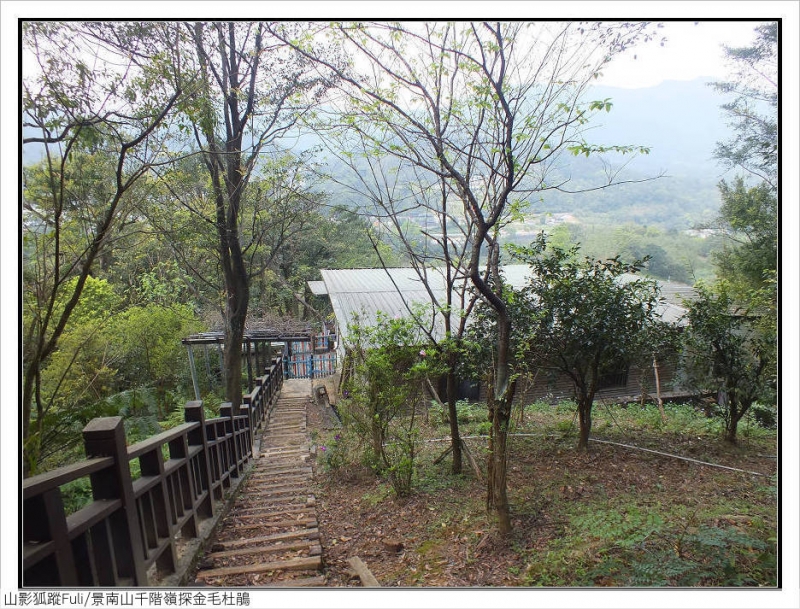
<point>235,317</point>
<point>504,395</point>
<point>730,432</point>
<point>497,494</point>
<point>499,416</point>
<point>237,285</point>
<point>453,413</point>
<point>735,414</point>
<point>502,388</point>
<point>585,418</point>
<point>27,413</point>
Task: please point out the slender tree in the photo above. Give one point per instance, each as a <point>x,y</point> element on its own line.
<point>748,216</point>
<point>253,92</point>
<point>83,100</point>
<point>753,110</point>
<point>437,244</point>
<point>488,108</point>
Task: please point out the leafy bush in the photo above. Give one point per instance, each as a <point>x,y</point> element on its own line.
<point>336,452</point>
<point>76,495</point>
<point>705,555</point>
<point>764,416</point>
<point>383,382</point>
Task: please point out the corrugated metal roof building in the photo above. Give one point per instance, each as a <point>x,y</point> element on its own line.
<point>361,293</point>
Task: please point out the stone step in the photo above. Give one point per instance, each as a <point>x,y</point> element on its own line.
<point>282,469</point>
<point>275,512</point>
<point>284,479</point>
<point>274,501</point>
<point>285,547</point>
<point>311,533</point>
<point>256,513</point>
<point>308,523</point>
<point>278,486</point>
<point>281,494</point>
<point>310,563</point>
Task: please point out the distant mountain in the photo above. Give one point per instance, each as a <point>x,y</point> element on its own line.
<point>680,121</point>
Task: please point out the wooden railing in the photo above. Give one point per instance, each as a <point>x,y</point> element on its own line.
<point>136,522</point>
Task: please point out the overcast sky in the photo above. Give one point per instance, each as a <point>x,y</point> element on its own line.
<point>692,50</point>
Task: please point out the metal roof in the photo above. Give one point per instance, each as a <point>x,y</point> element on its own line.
<point>361,293</point>
<point>317,288</point>
<point>358,294</point>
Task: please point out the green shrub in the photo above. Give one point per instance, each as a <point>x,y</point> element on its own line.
<point>764,416</point>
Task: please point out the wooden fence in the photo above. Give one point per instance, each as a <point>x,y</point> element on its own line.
<point>136,522</point>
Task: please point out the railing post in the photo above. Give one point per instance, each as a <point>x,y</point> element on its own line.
<point>45,521</point>
<point>248,435</point>
<point>194,413</point>
<point>226,412</point>
<point>105,437</point>
<point>249,365</point>
<point>193,371</point>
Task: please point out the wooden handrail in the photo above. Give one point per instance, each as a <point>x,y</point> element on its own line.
<point>131,525</point>
<point>154,442</point>
<point>36,485</point>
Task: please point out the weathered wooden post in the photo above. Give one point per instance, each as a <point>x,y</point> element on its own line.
<point>44,521</point>
<point>249,363</point>
<point>105,437</point>
<point>234,452</point>
<point>157,524</point>
<point>193,413</point>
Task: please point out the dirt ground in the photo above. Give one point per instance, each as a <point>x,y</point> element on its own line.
<point>443,537</point>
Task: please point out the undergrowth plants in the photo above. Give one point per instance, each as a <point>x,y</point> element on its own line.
<point>633,545</point>
<point>385,371</point>
<point>606,517</point>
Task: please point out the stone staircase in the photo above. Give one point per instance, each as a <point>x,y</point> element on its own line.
<point>270,536</point>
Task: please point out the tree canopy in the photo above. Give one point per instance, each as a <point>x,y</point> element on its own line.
<point>587,319</point>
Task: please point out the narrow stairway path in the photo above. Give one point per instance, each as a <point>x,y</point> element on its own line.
<point>270,537</point>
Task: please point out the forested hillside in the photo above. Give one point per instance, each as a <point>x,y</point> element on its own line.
<point>165,192</point>
<point>195,209</point>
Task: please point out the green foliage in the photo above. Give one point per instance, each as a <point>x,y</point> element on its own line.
<point>626,529</point>
<point>147,344</point>
<point>130,364</point>
<point>466,412</point>
<point>162,284</point>
<point>336,451</point>
<point>586,318</point>
<point>764,415</point>
<point>705,555</point>
<point>76,495</point>
<point>749,215</point>
<point>625,543</point>
<point>79,195</point>
<point>724,352</point>
<point>98,301</point>
<point>753,111</point>
<point>385,370</point>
